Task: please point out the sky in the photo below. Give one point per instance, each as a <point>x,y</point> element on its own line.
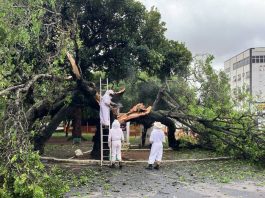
<point>223,28</point>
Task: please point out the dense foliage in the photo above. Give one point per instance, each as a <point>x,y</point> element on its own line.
<point>29,46</point>
<point>203,103</point>
<point>116,39</point>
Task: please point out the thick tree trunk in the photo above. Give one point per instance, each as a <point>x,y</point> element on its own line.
<point>95,153</point>
<point>77,123</point>
<point>144,136</point>
<point>39,140</point>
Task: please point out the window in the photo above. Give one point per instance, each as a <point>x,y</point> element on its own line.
<point>234,78</point>
<point>261,59</point>
<point>253,59</point>
<point>247,61</point>
<point>241,63</point>
<point>227,70</point>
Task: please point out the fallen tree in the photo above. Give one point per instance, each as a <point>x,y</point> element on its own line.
<point>48,96</point>
<point>236,132</point>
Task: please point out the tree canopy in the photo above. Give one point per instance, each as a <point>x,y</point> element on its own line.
<point>122,38</point>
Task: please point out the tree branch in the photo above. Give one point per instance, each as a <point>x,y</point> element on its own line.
<point>25,87</point>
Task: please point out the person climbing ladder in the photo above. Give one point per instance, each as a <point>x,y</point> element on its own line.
<point>105,105</point>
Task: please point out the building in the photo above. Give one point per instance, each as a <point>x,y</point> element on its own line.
<point>246,71</point>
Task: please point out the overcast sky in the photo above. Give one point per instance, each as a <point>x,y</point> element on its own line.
<point>223,28</point>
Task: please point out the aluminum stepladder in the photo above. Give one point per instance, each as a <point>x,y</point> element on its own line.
<point>105,150</point>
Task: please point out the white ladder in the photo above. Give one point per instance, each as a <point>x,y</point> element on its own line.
<point>105,150</point>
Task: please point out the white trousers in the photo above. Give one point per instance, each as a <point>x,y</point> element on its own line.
<point>156,153</point>
<point>116,150</point>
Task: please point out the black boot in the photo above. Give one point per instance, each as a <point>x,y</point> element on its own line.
<point>112,165</point>
<point>157,167</point>
<point>149,167</point>
<point>120,165</point>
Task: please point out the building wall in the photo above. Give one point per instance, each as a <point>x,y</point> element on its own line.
<point>238,70</point>
<point>247,71</point>
<point>258,73</point>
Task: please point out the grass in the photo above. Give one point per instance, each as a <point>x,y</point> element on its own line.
<point>202,172</point>
<point>221,171</point>
<point>59,134</point>
<point>194,154</point>
<point>59,147</point>
<point>136,140</point>
<point>77,177</point>
<point>225,171</point>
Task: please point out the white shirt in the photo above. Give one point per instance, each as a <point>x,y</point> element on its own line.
<point>115,132</point>
<point>157,136</point>
<point>105,108</point>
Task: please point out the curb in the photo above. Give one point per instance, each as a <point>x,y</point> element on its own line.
<point>97,162</point>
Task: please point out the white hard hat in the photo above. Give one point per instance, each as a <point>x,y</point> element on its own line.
<point>158,125</point>
<point>110,91</point>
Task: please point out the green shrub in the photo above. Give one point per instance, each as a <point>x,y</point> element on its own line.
<point>25,176</point>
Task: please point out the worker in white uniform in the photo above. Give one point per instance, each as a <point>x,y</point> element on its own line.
<point>105,104</point>
<point>115,140</point>
<point>157,138</point>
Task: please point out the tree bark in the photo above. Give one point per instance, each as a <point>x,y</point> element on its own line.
<point>77,123</point>
<point>95,153</point>
<point>39,140</point>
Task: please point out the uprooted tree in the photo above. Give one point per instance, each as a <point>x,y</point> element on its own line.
<point>123,42</point>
